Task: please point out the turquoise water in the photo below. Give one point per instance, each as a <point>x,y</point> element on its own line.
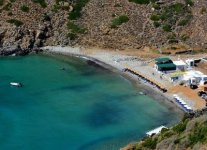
<point>80,108</point>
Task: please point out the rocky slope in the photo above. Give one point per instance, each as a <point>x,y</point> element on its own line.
<point>117,24</point>
<point>190,134</point>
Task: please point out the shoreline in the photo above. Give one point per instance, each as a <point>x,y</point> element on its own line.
<point>100,58</point>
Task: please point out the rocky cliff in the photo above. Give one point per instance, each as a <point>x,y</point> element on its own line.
<point>116,24</point>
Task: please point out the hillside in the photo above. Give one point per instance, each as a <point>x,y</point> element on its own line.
<point>159,25</point>
<point>189,134</point>
<point>118,24</point>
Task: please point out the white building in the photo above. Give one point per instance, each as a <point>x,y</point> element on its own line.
<point>190,62</point>
<point>197,76</point>
<point>180,65</point>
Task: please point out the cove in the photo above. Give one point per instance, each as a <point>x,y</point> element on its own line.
<point>80,107</point>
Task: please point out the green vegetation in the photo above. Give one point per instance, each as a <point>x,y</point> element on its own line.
<point>167,28</point>
<point>199,134</point>
<point>24,8</point>
<point>188,133</point>
<point>155,17</point>
<point>42,3</point>
<point>185,21</point>
<point>56,8</point>
<point>172,15</point>
<point>46,17</point>
<point>179,128</point>
<point>7,7</point>
<point>75,28</point>
<point>189,2</point>
<point>17,23</point>
<point>150,143</point>
<point>119,20</point>
<point>72,36</point>
<point>165,133</point>
<point>76,13</point>
<point>156,24</point>
<point>1,2</point>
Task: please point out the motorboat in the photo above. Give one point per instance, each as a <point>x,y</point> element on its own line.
<point>17,84</point>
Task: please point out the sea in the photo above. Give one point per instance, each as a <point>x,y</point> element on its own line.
<point>67,104</point>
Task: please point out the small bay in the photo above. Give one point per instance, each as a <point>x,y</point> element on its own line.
<point>67,104</point>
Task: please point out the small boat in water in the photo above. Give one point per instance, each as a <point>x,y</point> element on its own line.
<point>16,84</point>
<point>142,93</point>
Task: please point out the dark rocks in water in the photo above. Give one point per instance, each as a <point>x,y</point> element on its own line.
<point>9,51</point>
<point>23,52</point>
<point>17,51</point>
<point>93,63</point>
<point>37,50</point>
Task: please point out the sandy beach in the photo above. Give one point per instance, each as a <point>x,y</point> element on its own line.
<point>117,62</point>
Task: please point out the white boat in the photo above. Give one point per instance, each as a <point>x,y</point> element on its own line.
<point>16,84</point>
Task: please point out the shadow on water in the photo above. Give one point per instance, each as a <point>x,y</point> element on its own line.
<point>112,142</point>
<point>75,88</point>
<point>104,114</point>
<point>88,146</point>
<point>7,119</point>
<point>97,66</point>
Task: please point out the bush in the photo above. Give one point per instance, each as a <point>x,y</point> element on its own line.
<point>75,28</point>
<point>119,20</point>
<point>155,17</point>
<point>179,128</point>
<point>56,8</point>
<point>171,15</point>
<point>1,2</point>
<point>167,28</point>
<point>150,143</point>
<point>17,23</point>
<point>7,7</point>
<point>76,13</point>
<point>46,17</point>
<point>199,134</point>
<point>178,8</point>
<point>72,36</point>
<point>42,3</point>
<point>156,24</point>
<point>185,21</point>
<point>24,8</point>
<point>189,2</point>
<point>156,6</point>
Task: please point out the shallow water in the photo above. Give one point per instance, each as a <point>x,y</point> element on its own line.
<point>80,108</point>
